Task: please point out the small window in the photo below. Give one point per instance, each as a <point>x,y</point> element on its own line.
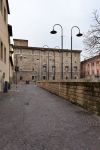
<point>75,68</point>
<point>53,68</point>
<point>53,77</point>
<point>33,77</point>
<point>5,13</point>
<point>3,75</point>
<point>44,68</point>
<point>1,5</point>
<point>1,51</point>
<point>66,68</point>
<point>88,73</point>
<point>97,72</point>
<point>44,77</point>
<point>66,77</point>
<point>97,62</point>
<point>21,77</point>
<point>4,55</point>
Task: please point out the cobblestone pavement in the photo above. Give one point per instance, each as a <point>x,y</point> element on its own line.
<point>34,119</point>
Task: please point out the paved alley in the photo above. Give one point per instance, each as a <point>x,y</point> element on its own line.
<point>34,119</point>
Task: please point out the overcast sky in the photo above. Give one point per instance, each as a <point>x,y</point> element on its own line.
<point>33,20</point>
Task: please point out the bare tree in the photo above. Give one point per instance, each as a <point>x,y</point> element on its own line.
<point>92,37</point>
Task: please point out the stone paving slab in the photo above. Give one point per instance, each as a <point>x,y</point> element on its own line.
<point>34,119</point>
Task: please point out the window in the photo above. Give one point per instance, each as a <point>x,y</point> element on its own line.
<point>66,68</point>
<point>1,52</point>
<point>44,68</point>
<point>97,73</point>
<point>5,15</point>
<point>53,78</point>
<point>1,5</point>
<point>97,62</point>
<point>4,55</point>
<point>44,77</point>
<point>66,77</point>
<point>53,68</point>
<point>33,77</point>
<point>75,68</point>
<point>21,77</point>
<point>88,65</point>
<point>3,75</point>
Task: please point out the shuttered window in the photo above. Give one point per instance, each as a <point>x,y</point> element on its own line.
<point>1,51</point>
<point>1,5</point>
<point>4,55</point>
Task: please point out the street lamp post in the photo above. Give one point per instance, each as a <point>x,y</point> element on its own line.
<point>38,73</point>
<point>54,32</point>
<point>10,57</point>
<point>56,47</point>
<point>79,34</point>
<point>48,59</point>
<point>16,68</point>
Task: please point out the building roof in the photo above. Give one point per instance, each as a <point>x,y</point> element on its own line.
<point>8,6</point>
<point>41,48</point>
<point>91,59</point>
<point>45,49</point>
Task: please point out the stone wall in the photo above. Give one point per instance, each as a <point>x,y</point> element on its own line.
<point>85,94</point>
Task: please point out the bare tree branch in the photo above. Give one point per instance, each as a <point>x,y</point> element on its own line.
<point>92,37</point>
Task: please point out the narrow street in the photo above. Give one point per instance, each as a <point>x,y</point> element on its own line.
<point>34,119</point>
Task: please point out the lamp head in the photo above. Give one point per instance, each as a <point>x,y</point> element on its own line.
<point>79,34</point>
<point>53,32</point>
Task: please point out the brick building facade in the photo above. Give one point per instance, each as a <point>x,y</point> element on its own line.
<point>90,68</point>
<point>35,63</point>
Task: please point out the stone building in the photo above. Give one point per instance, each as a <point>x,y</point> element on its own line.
<point>35,63</point>
<point>90,68</point>
<point>5,33</point>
